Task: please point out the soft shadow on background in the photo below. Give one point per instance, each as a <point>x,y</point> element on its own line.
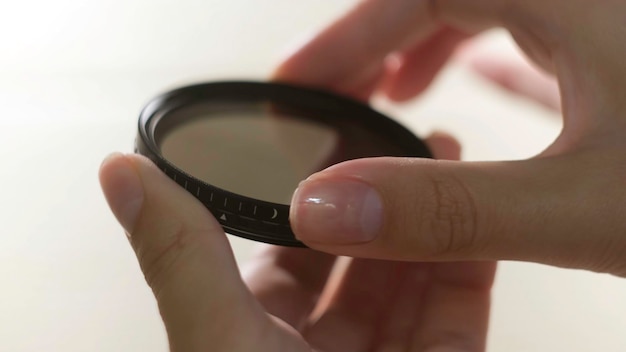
<point>73,77</point>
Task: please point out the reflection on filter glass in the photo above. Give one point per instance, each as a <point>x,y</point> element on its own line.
<point>250,152</point>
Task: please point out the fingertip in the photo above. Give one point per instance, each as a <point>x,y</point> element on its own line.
<point>305,64</point>
<point>396,87</point>
<point>109,158</point>
<point>401,95</point>
<point>108,165</point>
<point>283,72</point>
<point>292,62</point>
<point>122,188</point>
<point>444,146</point>
<point>414,69</point>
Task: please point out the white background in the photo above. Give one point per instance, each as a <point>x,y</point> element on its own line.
<point>73,77</point>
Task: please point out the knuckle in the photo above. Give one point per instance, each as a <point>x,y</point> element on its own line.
<point>448,216</point>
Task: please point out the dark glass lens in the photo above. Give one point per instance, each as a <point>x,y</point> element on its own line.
<point>263,149</point>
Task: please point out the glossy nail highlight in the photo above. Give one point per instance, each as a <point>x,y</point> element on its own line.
<point>336,211</point>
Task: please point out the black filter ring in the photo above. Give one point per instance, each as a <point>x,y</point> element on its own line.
<point>240,215</point>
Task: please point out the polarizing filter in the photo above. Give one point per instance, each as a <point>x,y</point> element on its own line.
<point>241,148</point>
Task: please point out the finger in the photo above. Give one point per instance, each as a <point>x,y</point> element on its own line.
<point>184,255</point>
<point>454,315</point>
<point>444,146</point>
<point>349,322</point>
<point>364,88</point>
<point>395,306</point>
<point>417,67</point>
<point>519,77</point>
<point>403,311</point>
<point>365,292</point>
<point>353,49</point>
<point>416,209</point>
<point>288,281</point>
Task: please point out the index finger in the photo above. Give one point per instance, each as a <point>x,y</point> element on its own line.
<point>350,55</point>
<point>352,50</point>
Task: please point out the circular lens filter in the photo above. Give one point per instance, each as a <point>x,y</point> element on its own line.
<point>241,148</point>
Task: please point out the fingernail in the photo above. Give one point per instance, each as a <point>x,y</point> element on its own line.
<point>122,188</point>
<point>336,212</point>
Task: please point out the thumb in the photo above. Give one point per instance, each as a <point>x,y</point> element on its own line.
<point>184,255</point>
<point>541,210</point>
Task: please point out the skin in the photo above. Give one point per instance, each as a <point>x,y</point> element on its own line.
<point>421,281</point>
